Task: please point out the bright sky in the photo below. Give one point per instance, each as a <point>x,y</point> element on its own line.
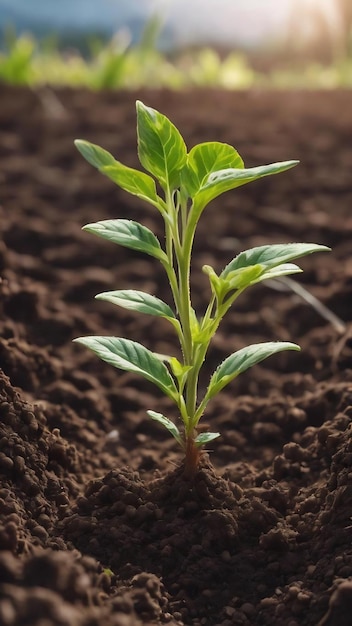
<point>248,20</point>
<point>192,21</point>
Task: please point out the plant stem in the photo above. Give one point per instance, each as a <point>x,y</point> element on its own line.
<point>179,243</point>
<point>192,456</point>
<point>183,259</point>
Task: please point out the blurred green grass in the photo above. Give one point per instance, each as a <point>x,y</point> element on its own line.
<point>117,65</point>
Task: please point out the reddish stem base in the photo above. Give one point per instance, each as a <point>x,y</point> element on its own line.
<point>192,457</point>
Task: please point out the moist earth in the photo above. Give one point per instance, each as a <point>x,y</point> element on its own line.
<point>99,525</point>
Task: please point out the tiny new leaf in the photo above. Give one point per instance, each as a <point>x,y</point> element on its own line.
<point>277,272</point>
<point>129,234</point>
<point>244,277</point>
<point>180,371</point>
<point>242,360</point>
<point>204,438</point>
<point>161,148</point>
<point>138,301</point>
<point>168,424</point>
<point>131,356</point>
<point>248,276</point>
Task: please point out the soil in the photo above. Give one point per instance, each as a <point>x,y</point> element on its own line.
<point>99,525</point>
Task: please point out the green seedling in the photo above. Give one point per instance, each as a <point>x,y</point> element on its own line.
<point>187,181</point>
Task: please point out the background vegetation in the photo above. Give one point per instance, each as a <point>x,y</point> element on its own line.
<point>314,53</point>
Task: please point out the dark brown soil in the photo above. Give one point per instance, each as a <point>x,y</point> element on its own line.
<point>98,525</point>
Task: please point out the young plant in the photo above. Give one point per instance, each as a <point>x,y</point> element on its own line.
<point>188,182</point>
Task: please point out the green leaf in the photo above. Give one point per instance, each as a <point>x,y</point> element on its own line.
<point>219,287</point>
<point>138,301</point>
<point>179,370</point>
<point>168,424</point>
<point>161,148</point>
<point>131,356</point>
<point>204,438</point>
<point>131,180</point>
<point>206,158</point>
<point>224,180</point>
<point>248,276</point>
<point>242,360</point>
<point>238,279</point>
<point>244,277</point>
<point>95,155</point>
<point>128,234</point>
<point>135,182</point>
<point>280,270</point>
<point>271,256</point>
